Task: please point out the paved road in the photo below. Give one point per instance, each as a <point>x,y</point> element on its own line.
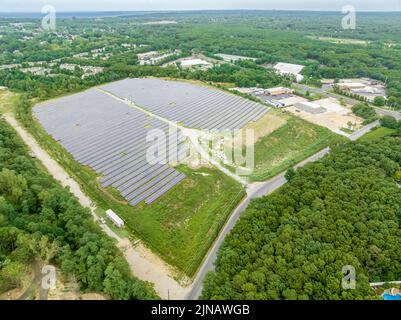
<point>383,112</point>
<point>255,190</point>
<point>356,135</point>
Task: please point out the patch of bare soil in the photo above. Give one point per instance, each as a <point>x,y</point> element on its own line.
<point>264,126</point>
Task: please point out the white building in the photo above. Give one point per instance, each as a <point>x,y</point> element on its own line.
<point>278,91</point>
<point>153,57</point>
<point>147,55</point>
<point>189,63</point>
<point>290,69</point>
<point>232,58</point>
<point>310,107</point>
<point>349,86</point>
<point>117,221</point>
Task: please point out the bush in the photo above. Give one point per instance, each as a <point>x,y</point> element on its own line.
<point>364,111</point>
<point>379,101</point>
<point>389,122</point>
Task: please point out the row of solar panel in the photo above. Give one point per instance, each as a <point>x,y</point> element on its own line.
<point>115,146</point>
<point>194,106</point>
<point>200,115</point>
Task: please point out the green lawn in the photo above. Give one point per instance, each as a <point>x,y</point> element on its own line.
<point>181,226</point>
<point>289,145</point>
<point>377,133</point>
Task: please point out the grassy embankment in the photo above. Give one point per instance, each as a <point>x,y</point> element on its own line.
<point>288,145</point>
<point>378,133</point>
<point>7,101</point>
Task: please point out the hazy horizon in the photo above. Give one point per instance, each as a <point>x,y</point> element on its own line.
<point>195,10</point>
<point>25,6</point>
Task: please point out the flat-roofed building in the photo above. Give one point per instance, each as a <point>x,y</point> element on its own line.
<point>310,107</point>
<point>234,58</point>
<point>349,86</point>
<point>189,63</point>
<point>278,91</point>
<point>290,69</point>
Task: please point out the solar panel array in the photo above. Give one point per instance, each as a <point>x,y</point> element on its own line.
<point>192,105</point>
<point>110,137</point>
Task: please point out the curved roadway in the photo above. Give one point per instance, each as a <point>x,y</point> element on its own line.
<point>255,190</point>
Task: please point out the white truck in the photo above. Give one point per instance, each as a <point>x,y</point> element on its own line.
<point>117,221</point>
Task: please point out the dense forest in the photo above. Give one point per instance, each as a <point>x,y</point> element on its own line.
<point>40,221</point>
<point>308,38</point>
<point>44,87</point>
<point>343,210</point>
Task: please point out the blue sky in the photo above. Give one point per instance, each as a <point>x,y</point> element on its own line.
<point>134,5</point>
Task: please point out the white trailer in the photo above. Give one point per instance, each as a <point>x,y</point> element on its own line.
<point>117,221</point>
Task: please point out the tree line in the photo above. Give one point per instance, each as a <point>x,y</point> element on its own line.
<point>343,210</point>
<point>41,221</point>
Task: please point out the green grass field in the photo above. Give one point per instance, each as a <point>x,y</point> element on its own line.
<point>377,133</point>
<point>181,226</point>
<point>289,145</point>
<point>7,100</point>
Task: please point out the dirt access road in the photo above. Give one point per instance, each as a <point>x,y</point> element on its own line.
<point>144,264</point>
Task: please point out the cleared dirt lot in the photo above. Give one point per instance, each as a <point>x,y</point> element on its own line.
<point>335,118</point>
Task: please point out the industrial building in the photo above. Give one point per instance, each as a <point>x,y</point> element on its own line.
<point>350,86</point>
<point>195,62</point>
<point>367,88</point>
<point>310,107</point>
<point>290,69</point>
<point>233,58</point>
<point>278,91</point>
